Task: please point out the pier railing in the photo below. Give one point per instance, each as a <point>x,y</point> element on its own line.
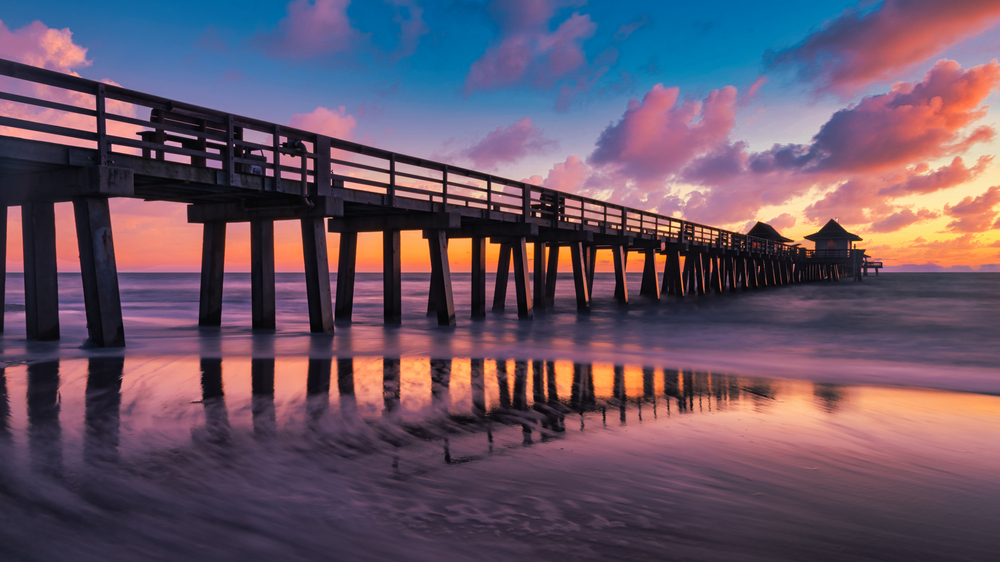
<point>267,157</point>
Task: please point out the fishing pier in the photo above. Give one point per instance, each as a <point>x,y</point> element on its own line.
<point>69,139</point>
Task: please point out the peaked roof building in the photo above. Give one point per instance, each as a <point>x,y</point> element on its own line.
<point>832,231</point>
<point>767,232</point>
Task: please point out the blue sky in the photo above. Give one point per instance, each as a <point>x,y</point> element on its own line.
<point>418,77</point>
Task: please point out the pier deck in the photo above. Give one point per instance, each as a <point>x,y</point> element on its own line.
<point>115,142</point>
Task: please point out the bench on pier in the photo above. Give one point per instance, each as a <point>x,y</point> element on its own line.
<point>202,129</point>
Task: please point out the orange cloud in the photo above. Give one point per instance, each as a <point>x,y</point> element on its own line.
<point>867,45</point>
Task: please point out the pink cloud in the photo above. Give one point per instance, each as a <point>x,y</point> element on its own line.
<point>861,151</point>
<point>569,176</point>
<point>975,214</point>
<point>44,47</point>
<point>866,45</point>
<point>508,144</point>
<point>311,29</point>
<point>782,221</point>
<point>658,136</point>
<point>944,177</point>
<point>527,52</point>
<point>333,123</point>
<point>902,219</point>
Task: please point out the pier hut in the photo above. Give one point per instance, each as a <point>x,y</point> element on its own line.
<point>767,232</point>
<point>836,252</point>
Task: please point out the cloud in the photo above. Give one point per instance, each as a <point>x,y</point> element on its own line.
<point>312,28</point>
<point>782,221</point>
<point>569,176</point>
<point>409,17</point>
<point>944,177</point>
<point>902,219</point>
<point>332,123</point>
<point>527,53</point>
<point>627,29</point>
<point>44,47</point>
<point>866,45</point>
<point>863,149</point>
<point>975,214</point>
<point>505,145</point>
<point>658,136</point>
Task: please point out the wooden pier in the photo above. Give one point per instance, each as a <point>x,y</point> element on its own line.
<point>230,168</point>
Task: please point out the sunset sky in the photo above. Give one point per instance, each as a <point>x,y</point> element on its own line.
<point>878,114</point>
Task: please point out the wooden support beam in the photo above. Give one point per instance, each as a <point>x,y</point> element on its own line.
<point>690,287</point>
<point>699,272</point>
<point>478,277</point>
<point>731,270</point>
<point>580,277</point>
<point>262,274</point>
<point>539,290</point>
<point>66,184</point>
<point>618,254</point>
<point>392,278</point>
<point>213,259</point>
<point>41,286</point>
<point>3,270</point>
<point>407,221</point>
<point>522,282</point>
<point>347,260</point>
<point>551,275</point>
<point>317,266</point>
<point>441,278</point>
<point>650,287</point>
<point>673,279</point>
<point>287,208</point>
<point>717,275</point>
<point>503,271</point>
<point>591,268</point>
<point>99,271</point>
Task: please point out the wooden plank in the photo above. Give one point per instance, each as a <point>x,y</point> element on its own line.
<point>317,269</point>
<point>41,286</point>
<point>522,282</point>
<point>262,274</point>
<point>503,272</point>
<point>441,276</point>
<point>346,272</point>
<point>392,278</point>
<point>213,254</point>
<point>99,271</point>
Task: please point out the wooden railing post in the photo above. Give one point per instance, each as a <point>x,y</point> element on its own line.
<point>525,202</point>
<point>391,190</point>
<point>102,127</point>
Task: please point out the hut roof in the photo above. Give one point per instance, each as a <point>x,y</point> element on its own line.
<point>833,231</point>
<point>767,232</point>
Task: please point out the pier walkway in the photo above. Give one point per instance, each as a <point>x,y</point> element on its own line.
<point>69,139</point>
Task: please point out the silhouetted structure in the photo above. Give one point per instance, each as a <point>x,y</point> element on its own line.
<point>837,254</point>
<point>234,169</point>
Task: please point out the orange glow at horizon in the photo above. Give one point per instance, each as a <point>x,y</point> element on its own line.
<point>156,237</point>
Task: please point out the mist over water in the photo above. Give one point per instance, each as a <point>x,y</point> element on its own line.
<point>781,424</point>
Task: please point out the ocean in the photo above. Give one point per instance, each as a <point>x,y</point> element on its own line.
<point>822,421</point>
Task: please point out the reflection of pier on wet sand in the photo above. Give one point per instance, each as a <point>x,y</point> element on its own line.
<point>536,396</point>
<point>419,458</point>
<point>233,169</point>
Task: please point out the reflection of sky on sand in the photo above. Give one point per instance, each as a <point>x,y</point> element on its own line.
<point>288,457</point>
